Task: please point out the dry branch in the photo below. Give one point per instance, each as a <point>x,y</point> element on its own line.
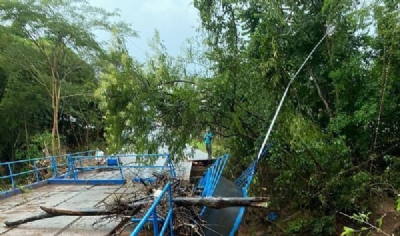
<point>80,212</point>
<point>212,202</point>
<point>136,200</point>
<point>41,216</point>
<point>219,202</point>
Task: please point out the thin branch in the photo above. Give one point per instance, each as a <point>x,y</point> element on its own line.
<point>33,67</point>
<point>314,78</point>
<point>367,223</point>
<point>385,76</point>
<point>76,95</point>
<point>178,81</point>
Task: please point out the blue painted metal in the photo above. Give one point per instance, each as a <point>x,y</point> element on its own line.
<point>112,162</point>
<point>169,163</point>
<point>246,177</point>
<point>150,220</point>
<point>272,216</point>
<point>212,175</point>
<point>55,163</point>
<point>244,181</point>
<point>116,164</point>
<point>153,212</point>
<point>239,217</point>
<point>208,182</point>
<point>73,163</point>
<point>150,180</point>
<point>13,192</point>
<point>87,181</point>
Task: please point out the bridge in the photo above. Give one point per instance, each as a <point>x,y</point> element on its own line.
<point>78,182</point>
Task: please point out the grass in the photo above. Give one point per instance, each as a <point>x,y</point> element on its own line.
<point>217,148</point>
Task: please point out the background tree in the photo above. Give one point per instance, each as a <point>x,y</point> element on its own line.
<point>58,43</point>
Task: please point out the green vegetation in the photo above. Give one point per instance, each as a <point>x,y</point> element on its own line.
<point>336,141</point>
<point>217,147</point>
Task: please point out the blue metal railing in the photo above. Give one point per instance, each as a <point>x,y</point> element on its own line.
<point>31,166</point>
<point>212,175</point>
<point>246,177</point>
<point>168,221</point>
<point>208,182</point>
<point>244,181</point>
<point>75,163</point>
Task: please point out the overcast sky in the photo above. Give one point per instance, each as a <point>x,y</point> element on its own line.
<point>176,20</point>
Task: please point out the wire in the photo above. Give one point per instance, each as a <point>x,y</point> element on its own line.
<point>330,30</point>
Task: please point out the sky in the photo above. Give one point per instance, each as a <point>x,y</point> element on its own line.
<point>176,20</point>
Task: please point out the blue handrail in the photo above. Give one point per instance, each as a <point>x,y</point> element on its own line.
<point>244,181</point>
<point>55,162</point>
<point>153,212</point>
<point>246,177</point>
<point>73,160</point>
<point>211,177</point>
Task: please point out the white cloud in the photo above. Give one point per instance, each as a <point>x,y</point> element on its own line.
<point>176,21</point>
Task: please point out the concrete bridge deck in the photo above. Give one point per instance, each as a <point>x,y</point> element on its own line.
<point>64,196</point>
<point>74,196</point>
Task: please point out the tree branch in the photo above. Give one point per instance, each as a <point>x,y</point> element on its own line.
<point>76,95</point>
<point>178,81</point>
<point>314,78</point>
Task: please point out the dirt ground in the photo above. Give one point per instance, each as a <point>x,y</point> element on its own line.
<point>391,220</point>
<point>386,208</point>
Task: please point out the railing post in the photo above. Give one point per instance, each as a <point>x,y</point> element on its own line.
<point>11,175</point>
<point>74,172</point>
<point>80,163</point>
<point>171,221</point>
<point>36,171</point>
<point>172,166</point>
<point>70,166</point>
<point>120,166</point>
<point>54,165</point>
<point>155,221</point>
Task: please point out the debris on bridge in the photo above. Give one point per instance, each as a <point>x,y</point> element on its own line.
<point>131,205</point>
<point>136,204</point>
<point>187,204</point>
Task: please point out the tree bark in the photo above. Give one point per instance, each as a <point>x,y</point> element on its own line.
<point>41,216</point>
<point>212,202</point>
<point>54,212</point>
<point>132,209</point>
<point>26,132</point>
<point>219,202</point>
<point>385,76</point>
<point>320,94</point>
<point>80,212</point>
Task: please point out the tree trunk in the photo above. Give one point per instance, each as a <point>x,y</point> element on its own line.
<point>40,216</point>
<point>212,202</point>
<point>132,209</point>
<point>57,129</point>
<point>55,118</point>
<point>55,102</point>
<point>26,132</point>
<point>54,212</point>
<point>219,202</point>
<point>385,78</point>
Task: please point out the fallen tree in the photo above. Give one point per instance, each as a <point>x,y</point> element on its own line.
<point>187,206</point>
<point>212,202</point>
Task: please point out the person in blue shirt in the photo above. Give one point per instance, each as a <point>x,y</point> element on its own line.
<point>207,139</point>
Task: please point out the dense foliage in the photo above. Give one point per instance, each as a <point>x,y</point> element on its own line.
<point>336,140</point>
<point>48,74</point>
